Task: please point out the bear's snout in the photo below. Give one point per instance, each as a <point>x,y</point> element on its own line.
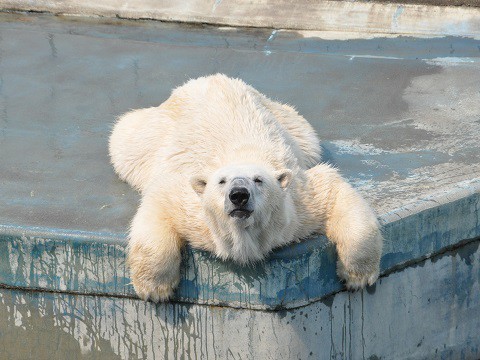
<point>239,196</point>
<point>239,199</point>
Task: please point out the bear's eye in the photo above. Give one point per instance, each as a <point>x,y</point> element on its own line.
<point>222,181</point>
<point>258,180</point>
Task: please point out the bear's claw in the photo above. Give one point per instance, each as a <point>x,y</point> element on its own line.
<point>354,280</point>
<point>155,292</point>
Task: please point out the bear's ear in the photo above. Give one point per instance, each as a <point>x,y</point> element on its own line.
<point>198,184</point>
<point>284,177</point>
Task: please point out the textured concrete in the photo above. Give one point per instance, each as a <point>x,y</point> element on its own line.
<point>365,17</point>
<point>399,116</point>
<point>86,263</point>
<point>428,311</point>
<point>475,3</point>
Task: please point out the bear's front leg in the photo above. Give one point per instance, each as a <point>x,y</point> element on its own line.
<point>349,222</point>
<point>154,252</point>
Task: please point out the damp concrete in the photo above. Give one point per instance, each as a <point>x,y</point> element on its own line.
<point>398,116</point>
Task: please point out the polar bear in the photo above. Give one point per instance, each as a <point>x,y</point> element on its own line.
<point>228,170</point>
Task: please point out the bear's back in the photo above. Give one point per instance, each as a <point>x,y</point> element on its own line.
<point>221,120</point>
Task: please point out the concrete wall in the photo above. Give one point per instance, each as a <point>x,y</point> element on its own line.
<point>427,311</point>
<point>281,14</point>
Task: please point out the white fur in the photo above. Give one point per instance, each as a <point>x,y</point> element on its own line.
<point>183,157</point>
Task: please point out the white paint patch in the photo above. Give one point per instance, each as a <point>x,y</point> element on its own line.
<point>450,61</point>
<point>272,35</point>
<point>12,258</point>
<point>216,4</point>
<point>372,57</point>
<point>396,16</point>
<point>354,147</point>
<point>340,35</point>
<point>18,317</point>
<point>373,163</point>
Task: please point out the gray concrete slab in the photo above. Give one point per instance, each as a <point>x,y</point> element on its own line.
<point>399,117</point>
<point>475,3</point>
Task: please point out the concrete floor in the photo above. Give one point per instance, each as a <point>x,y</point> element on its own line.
<point>399,116</point>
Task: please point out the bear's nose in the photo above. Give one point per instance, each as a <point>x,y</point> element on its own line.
<point>239,196</point>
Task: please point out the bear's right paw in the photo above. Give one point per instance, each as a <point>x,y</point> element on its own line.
<point>355,280</point>
<point>155,292</point>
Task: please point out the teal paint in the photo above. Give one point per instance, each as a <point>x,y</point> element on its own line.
<point>292,276</point>
<point>424,311</point>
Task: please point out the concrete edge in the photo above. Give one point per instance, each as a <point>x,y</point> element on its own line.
<point>63,234</point>
<point>406,19</point>
<point>56,260</point>
<point>446,251</point>
<point>461,190</point>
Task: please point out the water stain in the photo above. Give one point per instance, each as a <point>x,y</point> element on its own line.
<point>30,332</point>
<point>371,289</point>
<point>328,300</point>
<point>53,48</point>
<point>397,137</point>
<point>467,253</point>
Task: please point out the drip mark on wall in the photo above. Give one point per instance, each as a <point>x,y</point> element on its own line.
<point>216,4</point>
<point>272,36</point>
<point>396,16</point>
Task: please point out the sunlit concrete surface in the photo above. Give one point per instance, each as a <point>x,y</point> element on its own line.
<point>398,115</point>
<point>363,16</point>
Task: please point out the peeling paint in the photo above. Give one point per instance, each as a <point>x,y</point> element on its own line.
<point>347,323</point>
<point>215,5</point>
<point>352,57</point>
<point>272,35</point>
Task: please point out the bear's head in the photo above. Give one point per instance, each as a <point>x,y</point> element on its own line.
<point>239,202</point>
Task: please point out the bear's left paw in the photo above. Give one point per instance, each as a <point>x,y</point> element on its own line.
<point>355,280</point>
<point>155,291</point>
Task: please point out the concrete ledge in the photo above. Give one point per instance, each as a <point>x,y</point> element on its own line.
<point>410,147</point>
<point>297,275</point>
<point>398,115</point>
<point>304,15</point>
<point>473,3</point>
